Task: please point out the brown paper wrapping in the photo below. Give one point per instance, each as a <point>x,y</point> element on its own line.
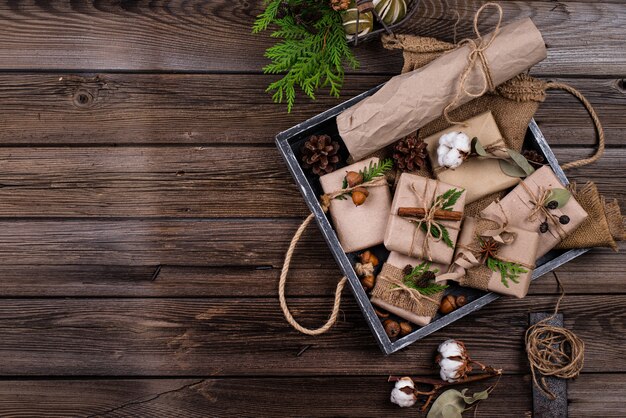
<point>522,250</point>
<point>403,236</point>
<point>411,100</point>
<point>399,303</point>
<point>517,207</point>
<point>358,227</point>
<point>479,176</point>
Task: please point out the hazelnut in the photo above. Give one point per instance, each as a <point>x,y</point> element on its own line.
<point>392,328</point>
<point>353,178</point>
<point>359,195</point>
<point>448,304</point>
<point>381,314</point>
<point>368,282</point>
<point>369,257</point>
<point>461,300</point>
<point>405,328</point>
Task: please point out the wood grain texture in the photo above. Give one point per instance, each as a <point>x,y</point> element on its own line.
<point>591,395</point>
<point>215,35</point>
<point>249,336</point>
<point>114,108</point>
<point>186,182</point>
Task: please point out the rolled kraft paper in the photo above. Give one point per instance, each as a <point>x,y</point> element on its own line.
<point>411,100</point>
<point>517,206</point>
<point>358,227</point>
<point>479,176</point>
<point>382,298</point>
<point>403,236</point>
<point>522,250</point>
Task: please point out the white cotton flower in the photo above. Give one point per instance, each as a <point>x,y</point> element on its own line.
<point>402,396</point>
<point>453,148</point>
<point>453,361</point>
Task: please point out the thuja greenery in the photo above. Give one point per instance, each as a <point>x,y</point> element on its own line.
<point>413,281</point>
<point>508,271</point>
<point>370,173</point>
<point>312,48</point>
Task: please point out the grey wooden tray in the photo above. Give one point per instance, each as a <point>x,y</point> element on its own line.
<point>289,143</point>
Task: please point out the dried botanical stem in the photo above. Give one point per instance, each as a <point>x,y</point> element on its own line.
<point>442,215</point>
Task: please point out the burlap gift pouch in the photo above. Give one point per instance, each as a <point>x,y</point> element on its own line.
<point>416,297</point>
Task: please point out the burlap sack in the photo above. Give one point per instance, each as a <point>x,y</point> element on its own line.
<point>513,105</point>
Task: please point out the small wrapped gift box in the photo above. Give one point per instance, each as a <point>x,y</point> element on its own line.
<point>393,295</point>
<point>493,256</point>
<point>479,176</point>
<point>358,227</point>
<point>531,206</point>
<point>425,218</point>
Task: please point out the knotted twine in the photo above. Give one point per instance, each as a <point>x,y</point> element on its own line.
<point>553,351</point>
<point>538,201</point>
<point>325,202</point>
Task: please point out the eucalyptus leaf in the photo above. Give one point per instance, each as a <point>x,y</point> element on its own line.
<point>520,160</point>
<point>478,147</point>
<point>449,404</point>
<point>478,396</point>
<point>510,169</point>
<point>561,196</point>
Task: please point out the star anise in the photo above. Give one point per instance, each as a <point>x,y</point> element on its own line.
<point>489,248</point>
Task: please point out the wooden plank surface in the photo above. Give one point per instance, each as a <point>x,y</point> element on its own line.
<point>215,36</point>
<point>249,336</point>
<point>120,108</point>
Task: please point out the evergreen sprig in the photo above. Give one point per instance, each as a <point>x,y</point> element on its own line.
<point>447,199</point>
<point>508,271</point>
<point>410,280</point>
<point>369,173</point>
<point>310,57</point>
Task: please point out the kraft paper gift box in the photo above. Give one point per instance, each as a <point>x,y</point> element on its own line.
<point>358,227</point>
<point>399,301</point>
<point>525,209</point>
<point>509,270</point>
<point>406,236</point>
<point>479,176</point>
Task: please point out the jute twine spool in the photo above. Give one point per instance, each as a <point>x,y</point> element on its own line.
<point>553,351</point>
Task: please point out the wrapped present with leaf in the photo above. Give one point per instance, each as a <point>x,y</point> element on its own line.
<point>359,202</point>
<point>494,256</point>
<point>473,155</point>
<point>425,218</point>
<point>406,287</point>
<point>541,204</point>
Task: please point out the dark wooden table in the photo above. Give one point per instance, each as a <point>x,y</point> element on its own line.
<point>136,136</point>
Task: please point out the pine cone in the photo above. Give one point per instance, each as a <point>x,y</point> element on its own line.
<point>534,158</point>
<point>410,153</point>
<point>339,5</point>
<point>425,279</point>
<point>319,153</point>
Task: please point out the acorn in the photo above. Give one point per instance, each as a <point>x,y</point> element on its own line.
<point>359,195</point>
<point>461,300</point>
<point>382,314</point>
<point>369,257</point>
<point>353,178</point>
<point>564,219</point>
<point>405,328</point>
<point>392,328</point>
<point>448,304</point>
<point>368,283</point>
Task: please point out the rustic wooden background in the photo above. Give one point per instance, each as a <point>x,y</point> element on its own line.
<point>137,135</point>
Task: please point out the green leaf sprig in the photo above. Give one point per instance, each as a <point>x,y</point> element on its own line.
<point>508,271</point>
<point>517,166</point>
<point>309,56</point>
<point>447,199</point>
<point>411,280</point>
<point>369,173</point>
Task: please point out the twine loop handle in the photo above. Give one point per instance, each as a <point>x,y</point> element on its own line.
<point>283,280</point>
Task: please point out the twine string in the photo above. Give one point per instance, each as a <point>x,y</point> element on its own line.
<point>414,294</point>
<point>537,201</point>
<point>553,351</point>
<point>328,197</point>
<point>428,219</point>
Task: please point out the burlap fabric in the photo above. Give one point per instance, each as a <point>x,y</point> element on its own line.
<point>387,292</point>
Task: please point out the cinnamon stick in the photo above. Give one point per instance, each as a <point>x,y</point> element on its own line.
<point>442,215</point>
